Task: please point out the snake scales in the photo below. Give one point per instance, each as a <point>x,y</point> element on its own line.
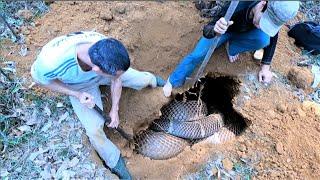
<point>179,123</point>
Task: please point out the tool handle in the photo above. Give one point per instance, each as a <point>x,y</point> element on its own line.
<point>230,11</point>
<point>108,121</point>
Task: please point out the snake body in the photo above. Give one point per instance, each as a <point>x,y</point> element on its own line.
<point>179,122</point>
<point>183,111</point>
<point>159,145</point>
<point>202,128</point>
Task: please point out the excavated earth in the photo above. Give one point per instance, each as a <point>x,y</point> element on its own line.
<point>284,133</point>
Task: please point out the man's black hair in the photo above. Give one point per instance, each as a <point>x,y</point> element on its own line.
<point>110,56</point>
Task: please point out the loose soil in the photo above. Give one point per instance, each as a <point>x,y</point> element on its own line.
<point>282,141</point>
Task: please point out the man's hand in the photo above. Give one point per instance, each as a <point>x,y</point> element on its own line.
<point>86,99</point>
<point>222,25</point>
<point>114,119</point>
<point>265,75</point>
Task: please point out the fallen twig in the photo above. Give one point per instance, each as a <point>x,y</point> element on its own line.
<point>5,75</point>
<point>8,25</point>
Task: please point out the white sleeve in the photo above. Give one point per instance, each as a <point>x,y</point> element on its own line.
<point>38,74</point>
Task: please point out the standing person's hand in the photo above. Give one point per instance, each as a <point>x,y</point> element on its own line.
<point>114,119</point>
<point>222,25</point>
<point>86,99</point>
<point>265,75</point>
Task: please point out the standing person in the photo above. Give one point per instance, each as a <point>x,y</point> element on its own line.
<point>76,65</point>
<point>254,25</point>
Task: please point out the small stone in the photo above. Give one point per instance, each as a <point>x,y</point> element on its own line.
<point>242,148</point>
<point>279,148</point>
<point>106,15</point>
<point>313,106</point>
<point>37,23</point>
<point>241,139</point>
<point>25,14</point>
<point>304,166</point>
<point>106,29</point>
<point>25,30</point>
<point>318,128</point>
<point>301,113</point>
<point>274,174</point>
<point>120,9</point>
<point>271,114</point>
<point>227,164</point>
<point>288,160</point>
<point>281,108</point>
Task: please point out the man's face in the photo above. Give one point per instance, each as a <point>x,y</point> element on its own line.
<point>257,13</point>
<point>101,73</point>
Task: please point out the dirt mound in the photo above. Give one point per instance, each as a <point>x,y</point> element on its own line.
<point>283,139</point>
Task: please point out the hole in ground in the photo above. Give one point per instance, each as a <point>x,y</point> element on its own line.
<point>218,92</point>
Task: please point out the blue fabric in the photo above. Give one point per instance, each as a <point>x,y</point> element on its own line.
<point>307,35</point>
<point>238,43</point>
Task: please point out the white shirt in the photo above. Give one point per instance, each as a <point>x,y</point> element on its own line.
<point>58,59</point>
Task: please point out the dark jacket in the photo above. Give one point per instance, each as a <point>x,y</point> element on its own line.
<point>242,23</point>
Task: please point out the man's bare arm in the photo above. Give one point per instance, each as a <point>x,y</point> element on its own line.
<point>58,86</point>
<point>116,88</point>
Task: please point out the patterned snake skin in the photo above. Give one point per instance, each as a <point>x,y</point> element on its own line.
<point>183,111</point>
<point>166,137</point>
<point>159,145</point>
<point>202,128</point>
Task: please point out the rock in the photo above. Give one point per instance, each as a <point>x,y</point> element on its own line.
<point>281,108</point>
<point>25,30</point>
<point>313,106</point>
<point>106,15</point>
<point>227,164</point>
<point>274,174</point>
<point>279,148</point>
<point>301,77</point>
<point>25,14</point>
<point>106,29</point>
<point>120,9</point>
<point>241,139</point>
<point>242,148</point>
<point>271,114</point>
<point>301,113</point>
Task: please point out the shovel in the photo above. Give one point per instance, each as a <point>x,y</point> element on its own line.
<point>108,120</point>
<point>230,11</point>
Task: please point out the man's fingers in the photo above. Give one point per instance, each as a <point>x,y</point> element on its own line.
<point>223,21</point>
<point>230,23</point>
<point>219,30</point>
<point>111,124</point>
<point>222,26</point>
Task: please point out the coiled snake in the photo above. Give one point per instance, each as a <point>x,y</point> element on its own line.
<point>179,123</point>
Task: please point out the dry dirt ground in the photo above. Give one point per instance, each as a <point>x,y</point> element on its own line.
<point>282,141</point>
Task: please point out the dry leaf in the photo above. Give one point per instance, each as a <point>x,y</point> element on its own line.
<point>63,117</point>
<point>46,127</point>
<point>24,128</point>
<point>73,162</point>
<point>34,155</point>
<point>47,111</point>
<point>59,105</point>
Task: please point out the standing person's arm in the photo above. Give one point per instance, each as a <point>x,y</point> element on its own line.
<point>116,88</point>
<point>265,75</point>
